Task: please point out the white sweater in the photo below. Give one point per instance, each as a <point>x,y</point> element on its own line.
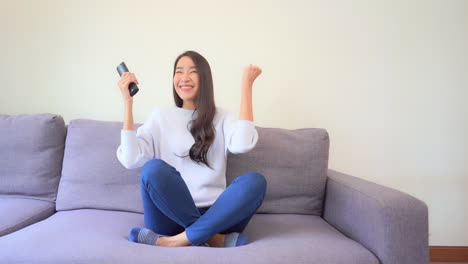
<point>166,131</point>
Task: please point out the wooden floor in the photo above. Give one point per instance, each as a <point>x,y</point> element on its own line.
<point>449,262</point>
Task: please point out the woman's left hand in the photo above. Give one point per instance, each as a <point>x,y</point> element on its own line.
<point>251,72</point>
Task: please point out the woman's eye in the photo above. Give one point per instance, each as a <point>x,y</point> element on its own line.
<point>194,71</point>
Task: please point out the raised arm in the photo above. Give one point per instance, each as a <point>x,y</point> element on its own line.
<point>136,147</point>
<point>251,72</point>
<point>123,84</point>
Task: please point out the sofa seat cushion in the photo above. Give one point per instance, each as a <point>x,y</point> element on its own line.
<point>100,236</point>
<point>17,212</point>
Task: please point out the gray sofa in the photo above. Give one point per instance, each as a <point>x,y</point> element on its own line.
<point>65,198</point>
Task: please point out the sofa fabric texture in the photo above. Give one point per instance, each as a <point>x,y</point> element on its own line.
<point>100,236</point>
<point>92,176</point>
<point>391,223</point>
<point>294,163</point>
<point>31,155</point>
<point>65,198</point>
<point>17,212</point>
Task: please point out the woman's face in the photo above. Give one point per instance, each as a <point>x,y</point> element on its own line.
<point>186,81</point>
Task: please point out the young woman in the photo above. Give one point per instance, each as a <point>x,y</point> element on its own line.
<point>183,151</point>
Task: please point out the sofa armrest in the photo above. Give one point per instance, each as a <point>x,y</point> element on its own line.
<point>391,224</point>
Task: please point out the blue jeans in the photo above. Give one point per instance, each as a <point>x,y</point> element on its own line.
<point>169,208</point>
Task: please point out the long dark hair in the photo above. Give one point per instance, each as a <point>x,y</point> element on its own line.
<point>202,128</point>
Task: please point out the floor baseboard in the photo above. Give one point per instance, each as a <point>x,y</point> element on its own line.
<point>447,253</point>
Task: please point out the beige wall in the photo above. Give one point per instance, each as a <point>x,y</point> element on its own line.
<point>387,79</point>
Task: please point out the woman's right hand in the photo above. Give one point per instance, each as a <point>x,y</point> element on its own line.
<point>123,84</point>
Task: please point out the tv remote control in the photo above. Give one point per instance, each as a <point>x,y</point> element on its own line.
<point>132,87</point>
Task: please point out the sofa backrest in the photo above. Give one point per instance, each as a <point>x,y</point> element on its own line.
<point>31,155</point>
<point>92,176</point>
<point>294,163</point>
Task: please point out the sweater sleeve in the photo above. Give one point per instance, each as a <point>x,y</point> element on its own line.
<point>240,135</point>
<point>137,147</point>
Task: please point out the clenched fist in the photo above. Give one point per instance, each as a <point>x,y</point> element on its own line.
<point>251,72</point>
<point>123,84</point>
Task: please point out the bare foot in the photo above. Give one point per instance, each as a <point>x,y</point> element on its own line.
<point>217,240</point>
<point>165,242</point>
<point>179,240</point>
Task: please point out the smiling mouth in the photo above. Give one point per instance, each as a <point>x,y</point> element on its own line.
<point>186,88</point>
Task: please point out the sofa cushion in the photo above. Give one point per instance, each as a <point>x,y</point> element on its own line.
<point>294,163</point>
<point>92,176</point>
<point>100,236</point>
<point>18,212</point>
<point>31,155</point>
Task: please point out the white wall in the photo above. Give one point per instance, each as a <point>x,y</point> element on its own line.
<point>387,79</point>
